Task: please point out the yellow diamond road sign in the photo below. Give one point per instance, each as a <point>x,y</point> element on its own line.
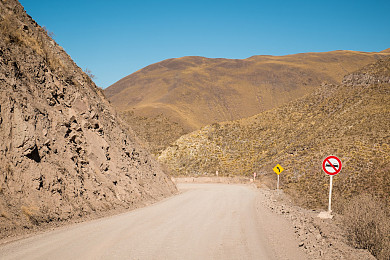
<point>278,169</point>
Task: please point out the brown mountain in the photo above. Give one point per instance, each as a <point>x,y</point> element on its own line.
<point>64,154</point>
<point>351,120</point>
<point>386,51</point>
<point>196,91</point>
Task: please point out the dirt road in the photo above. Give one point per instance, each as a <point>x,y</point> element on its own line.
<point>206,221</point>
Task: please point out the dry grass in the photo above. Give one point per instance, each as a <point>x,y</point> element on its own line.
<point>350,121</point>
<point>157,131</point>
<point>13,32</point>
<point>367,221</point>
<point>196,91</point>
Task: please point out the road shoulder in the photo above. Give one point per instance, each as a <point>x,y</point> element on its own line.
<point>318,238</point>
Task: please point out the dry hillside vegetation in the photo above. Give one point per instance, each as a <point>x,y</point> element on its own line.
<point>195,91</point>
<point>64,154</point>
<point>351,120</point>
<point>156,132</point>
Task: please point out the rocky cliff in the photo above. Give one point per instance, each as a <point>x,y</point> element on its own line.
<point>64,154</point>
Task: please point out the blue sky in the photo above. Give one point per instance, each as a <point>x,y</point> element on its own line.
<point>116,38</point>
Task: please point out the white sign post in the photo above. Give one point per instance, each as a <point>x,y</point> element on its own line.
<point>330,194</point>
<point>331,166</point>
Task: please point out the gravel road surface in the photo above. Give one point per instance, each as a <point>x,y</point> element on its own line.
<point>205,221</point>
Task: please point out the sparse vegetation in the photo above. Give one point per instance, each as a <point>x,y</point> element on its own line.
<point>13,33</point>
<point>197,91</point>
<point>367,222</point>
<point>89,73</point>
<point>341,120</point>
<point>350,121</point>
<point>157,132</point>
<point>49,33</point>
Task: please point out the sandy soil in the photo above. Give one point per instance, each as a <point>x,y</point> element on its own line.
<point>206,221</point>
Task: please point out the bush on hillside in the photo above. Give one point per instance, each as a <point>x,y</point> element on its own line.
<point>367,222</point>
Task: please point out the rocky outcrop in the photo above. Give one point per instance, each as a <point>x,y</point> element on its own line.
<point>376,73</point>
<point>364,79</point>
<point>64,154</point>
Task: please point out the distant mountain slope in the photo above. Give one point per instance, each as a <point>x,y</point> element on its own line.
<point>196,91</point>
<point>64,154</point>
<point>351,121</point>
<point>386,51</point>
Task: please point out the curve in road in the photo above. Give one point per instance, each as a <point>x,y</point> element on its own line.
<point>205,221</point>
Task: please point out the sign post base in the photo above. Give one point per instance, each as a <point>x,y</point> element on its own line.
<point>325,215</point>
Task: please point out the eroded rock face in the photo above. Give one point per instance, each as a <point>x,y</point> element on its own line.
<point>63,151</point>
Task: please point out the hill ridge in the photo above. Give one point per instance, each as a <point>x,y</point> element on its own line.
<point>191,92</point>
<point>348,120</point>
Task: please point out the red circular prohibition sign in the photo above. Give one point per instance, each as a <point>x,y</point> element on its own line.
<point>331,165</point>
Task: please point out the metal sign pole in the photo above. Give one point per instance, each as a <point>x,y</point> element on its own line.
<point>330,194</point>
<point>278,182</point>
<point>331,166</point>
